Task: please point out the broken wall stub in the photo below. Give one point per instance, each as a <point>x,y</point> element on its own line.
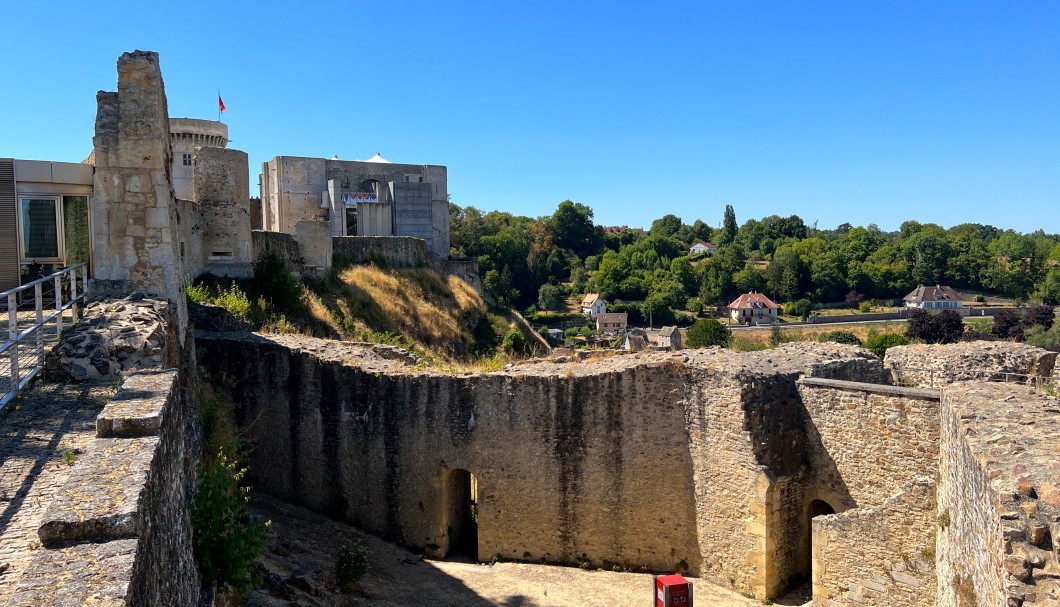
<point>134,220</point>
<point>999,497</point>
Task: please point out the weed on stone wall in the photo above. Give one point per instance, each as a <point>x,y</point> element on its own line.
<point>965,589</point>
<point>227,539</point>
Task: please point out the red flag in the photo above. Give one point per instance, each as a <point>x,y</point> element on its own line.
<point>220,104</point>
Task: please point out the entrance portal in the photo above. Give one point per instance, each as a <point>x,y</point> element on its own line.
<point>461,509</point>
<point>816,508</point>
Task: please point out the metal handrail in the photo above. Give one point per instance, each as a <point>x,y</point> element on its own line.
<point>32,335</point>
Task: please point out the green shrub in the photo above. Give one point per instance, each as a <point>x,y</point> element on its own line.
<point>351,563</point>
<point>226,539</point>
<point>514,342</point>
<point>275,282</point>
<point>196,293</point>
<point>777,336</point>
<point>865,307</point>
<point>840,337</point>
<point>234,300</point>
<point>708,332</point>
<point>878,344</point>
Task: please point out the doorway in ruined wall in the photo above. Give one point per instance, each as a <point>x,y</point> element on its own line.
<point>461,508</point>
<point>815,508</point>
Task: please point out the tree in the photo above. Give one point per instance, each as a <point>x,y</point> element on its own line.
<point>708,332</point>
<point>667,225</point>
<point>946,327</point>
<point>572,226</point>
<point>1041,315</point>
<point>1050,288</point>
<point>840,337</point>
<point>550,297</point>
<point>1006,324</point>
<point>514,342</point>
<point>782,275</point>
<point>728,226</point>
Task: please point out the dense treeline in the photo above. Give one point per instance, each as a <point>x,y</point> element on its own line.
<point>528,262</point>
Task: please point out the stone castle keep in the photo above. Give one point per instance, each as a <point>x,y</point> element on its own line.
<point>752,470</point>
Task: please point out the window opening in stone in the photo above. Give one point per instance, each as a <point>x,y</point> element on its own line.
<point>461,508</point>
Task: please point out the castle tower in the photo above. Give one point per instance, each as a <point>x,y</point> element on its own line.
<point>186,134</point>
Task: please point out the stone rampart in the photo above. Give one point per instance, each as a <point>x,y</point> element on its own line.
<point>998,497</point>
<point>935,365</point>
<point>118,532</point>
<point>664,460</point>
<point>395,251</point>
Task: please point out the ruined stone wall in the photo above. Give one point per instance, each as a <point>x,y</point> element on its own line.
<point>572,462</point>
<point>119,532</point>
<point>882,556</point>
<point>189,237</point>
<point>397,251</point>
<point>279,243</point>
<point>899,427</point>
<point>874,452</point>
<point>935,365</point>
<point>134,211</point>
<point>667,461</point>
<point>998,497</point>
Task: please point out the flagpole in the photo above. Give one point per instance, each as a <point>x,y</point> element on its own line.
<point>218,105</point>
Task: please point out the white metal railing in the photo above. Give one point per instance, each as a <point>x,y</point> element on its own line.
<point>28,334</point>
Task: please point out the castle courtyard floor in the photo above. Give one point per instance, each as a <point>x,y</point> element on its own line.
<point>301,556</point>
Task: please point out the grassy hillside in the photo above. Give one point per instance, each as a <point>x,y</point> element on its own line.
<point>440,318</point>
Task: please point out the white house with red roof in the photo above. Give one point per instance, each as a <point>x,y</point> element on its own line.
<point>702,247</point>
<point>753,309</point>
<point>593,304</point>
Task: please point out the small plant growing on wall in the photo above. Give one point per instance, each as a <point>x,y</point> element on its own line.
<point>227,539</point>
<point>351,563</point>
<point>944,519</point>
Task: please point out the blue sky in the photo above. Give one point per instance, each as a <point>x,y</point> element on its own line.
<point>852,111</point>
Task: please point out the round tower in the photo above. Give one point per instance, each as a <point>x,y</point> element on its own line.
<point>186,134</point>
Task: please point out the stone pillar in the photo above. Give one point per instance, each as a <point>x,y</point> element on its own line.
<point>133,210</point>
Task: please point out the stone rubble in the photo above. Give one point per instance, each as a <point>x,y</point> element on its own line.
<point>115,337</point>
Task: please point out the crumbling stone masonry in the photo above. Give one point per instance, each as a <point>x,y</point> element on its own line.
<point>134,210</point>
<point>999,497</point>
<point>119,532</point>
<point>936,365</point>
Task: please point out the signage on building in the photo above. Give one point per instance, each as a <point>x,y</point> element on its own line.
<point>351,198</point>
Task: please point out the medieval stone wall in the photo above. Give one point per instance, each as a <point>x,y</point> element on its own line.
<point>935,365</point>
<point>133,209</point>
<point>571,463</point>
<point>998,497</point>
<point>119,531</point>
<point>396,251</point>
<point>882,556</point>
<point>221,190</point>
<point>667,461</point>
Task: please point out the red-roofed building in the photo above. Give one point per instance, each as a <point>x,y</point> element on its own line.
<point>593,304</point>
<point>753,309</point>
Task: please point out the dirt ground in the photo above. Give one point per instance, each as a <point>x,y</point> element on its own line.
<point>301,556</point>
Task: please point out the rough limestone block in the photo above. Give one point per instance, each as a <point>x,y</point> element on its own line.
<point>100,578</point>
<point>137,409</point>
<point>101,499</point>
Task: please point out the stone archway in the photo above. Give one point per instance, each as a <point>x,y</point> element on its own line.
<point>814,508</point>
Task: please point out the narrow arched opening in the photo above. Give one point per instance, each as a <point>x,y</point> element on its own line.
<point>814,509</point>
<point>461,508</point>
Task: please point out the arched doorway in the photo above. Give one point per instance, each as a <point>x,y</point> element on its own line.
<point>814,509</point>
<point>461,509</point>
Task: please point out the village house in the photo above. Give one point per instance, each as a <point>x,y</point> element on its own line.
<point>753,309</point>
<point>669,338</point>
<point>935,299</point>
<point>702,247</point>
<point>593,304</point>
<point>612,322</point>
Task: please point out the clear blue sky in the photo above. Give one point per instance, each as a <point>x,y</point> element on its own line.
<point>842,111</point>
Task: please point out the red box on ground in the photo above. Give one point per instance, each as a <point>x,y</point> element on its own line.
<point>672,591</point>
